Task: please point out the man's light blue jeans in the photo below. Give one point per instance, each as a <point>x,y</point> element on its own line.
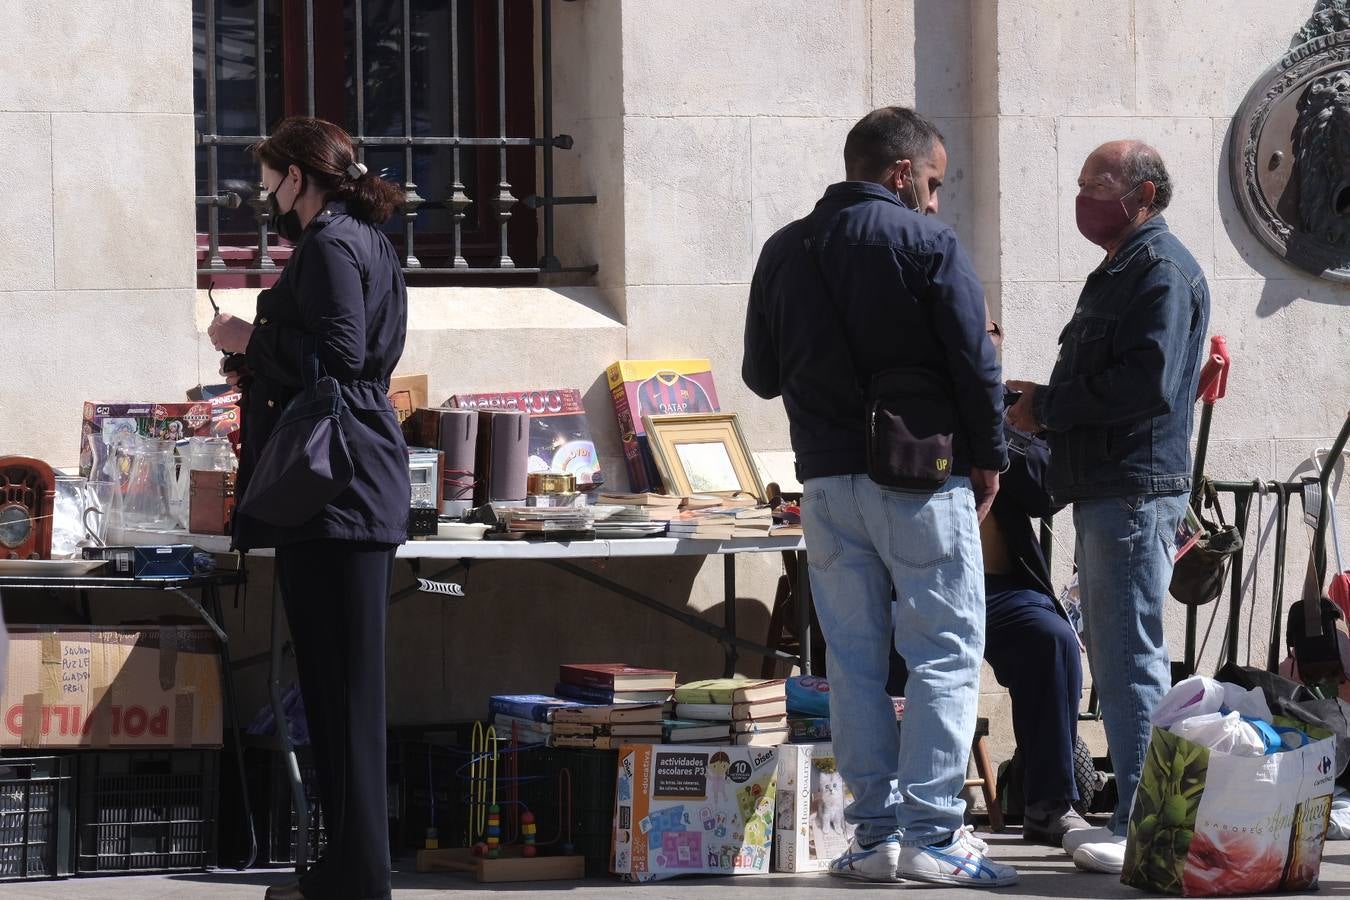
<point>865,543</point>
<point>1124,548</point>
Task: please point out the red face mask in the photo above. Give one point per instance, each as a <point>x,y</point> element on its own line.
<point>1102,221</point>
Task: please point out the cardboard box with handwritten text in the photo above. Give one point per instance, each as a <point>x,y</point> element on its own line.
<point>126,687</point>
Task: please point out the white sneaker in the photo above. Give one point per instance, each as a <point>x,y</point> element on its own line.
<point>873,864</point>
<point>961,861</point>
<point>1080,836</point>
<point>1108,856</point>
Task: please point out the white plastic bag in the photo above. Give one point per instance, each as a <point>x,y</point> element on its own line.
<point>1221,733</point>
<point>1196,696</point>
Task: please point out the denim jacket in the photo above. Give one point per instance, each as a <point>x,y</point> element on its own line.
<point>1119,406</point>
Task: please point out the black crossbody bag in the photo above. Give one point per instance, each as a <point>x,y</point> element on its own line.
<point>910,415</point>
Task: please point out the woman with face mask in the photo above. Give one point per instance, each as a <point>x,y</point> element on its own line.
<point>341,298</point>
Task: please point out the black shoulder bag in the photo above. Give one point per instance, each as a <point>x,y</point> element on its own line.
<point>305,462</point>
<point>910,415</point>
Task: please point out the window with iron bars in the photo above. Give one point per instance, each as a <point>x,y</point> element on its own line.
<point>439,97</point>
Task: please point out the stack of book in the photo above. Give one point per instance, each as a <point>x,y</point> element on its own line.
<point>722,523</point>
<point>525,718</point>
<point>551,522</point>
<point>624,704</point>
<point>614,684</point>
<point>626,521</point>
<point>749,712</point>
<point>658,507</point>
<point>608,727</point>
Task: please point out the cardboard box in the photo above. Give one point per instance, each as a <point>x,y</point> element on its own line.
<point>560,435</point>
<point>693,809</point>
<point>407,393</point>
<point>162,421</point>
<point>655,387</point>
<point>812,796</point>
<point>72,687</point>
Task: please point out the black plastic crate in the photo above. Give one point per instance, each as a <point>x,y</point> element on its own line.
<point>282,823</point>
<point>37,817</point>
<point>591,774</point>
<point>147,810</point>
<point>275,823</point>
<point>427,786</point>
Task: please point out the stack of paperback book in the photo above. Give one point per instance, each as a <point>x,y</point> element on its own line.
<point>525,718</point>
<point>625,704</point>
<point>741,711</point>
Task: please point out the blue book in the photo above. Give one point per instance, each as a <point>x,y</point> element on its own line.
<point>538,707</point>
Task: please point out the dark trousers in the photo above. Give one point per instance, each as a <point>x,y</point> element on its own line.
<point>336,595</point>
<point>1034,653</point>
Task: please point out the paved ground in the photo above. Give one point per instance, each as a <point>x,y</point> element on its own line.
<point>1045,873</point>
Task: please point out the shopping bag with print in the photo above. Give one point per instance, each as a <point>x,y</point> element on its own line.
<point>1207,823</point>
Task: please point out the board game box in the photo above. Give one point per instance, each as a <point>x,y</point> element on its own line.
<point>693,809</point>
<point>811,798</point>
<point>653,387</point>
<point>161,421</point>
<point>560,436</point>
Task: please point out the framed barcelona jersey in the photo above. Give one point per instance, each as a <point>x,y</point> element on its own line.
<point>656,387</point>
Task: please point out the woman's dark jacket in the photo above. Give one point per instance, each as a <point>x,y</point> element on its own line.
<point>343,286</point>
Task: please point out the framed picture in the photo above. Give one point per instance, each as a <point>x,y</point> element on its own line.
<point>703,454</point>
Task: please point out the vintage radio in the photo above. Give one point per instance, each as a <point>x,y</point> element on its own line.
<point>27,502</point>
<point>211,502</point>
<point>424,474</point>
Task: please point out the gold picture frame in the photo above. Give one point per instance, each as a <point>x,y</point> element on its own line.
<point>703,453</point>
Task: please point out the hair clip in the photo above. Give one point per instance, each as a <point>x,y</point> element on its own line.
<point>356,170</point>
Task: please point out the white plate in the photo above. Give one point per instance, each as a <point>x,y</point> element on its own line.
<point>53,568</point>
<point>459,531</point>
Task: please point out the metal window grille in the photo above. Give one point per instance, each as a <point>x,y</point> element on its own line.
<point>493,210</point>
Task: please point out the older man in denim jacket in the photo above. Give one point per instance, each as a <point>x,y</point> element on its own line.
<point>1118,414</point>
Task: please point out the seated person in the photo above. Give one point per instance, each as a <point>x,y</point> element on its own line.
<point>1030,644</point>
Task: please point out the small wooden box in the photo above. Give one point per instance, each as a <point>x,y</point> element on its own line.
<point>211,502</point>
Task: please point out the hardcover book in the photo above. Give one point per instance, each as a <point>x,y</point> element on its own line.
<point>655,387</point>
<point>560,435</point>
<point>731,690</point>
<point>538,707</point>
<point>636,712</point>
<point>618,677</point>
<point>727,712</point>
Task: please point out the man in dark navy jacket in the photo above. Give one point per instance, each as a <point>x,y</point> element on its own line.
<point>866,284</point>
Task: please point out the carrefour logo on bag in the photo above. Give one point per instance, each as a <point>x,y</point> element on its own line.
<point>1324,767</point>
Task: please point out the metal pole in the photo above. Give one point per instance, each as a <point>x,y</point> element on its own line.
<point>504,198</point>
<point>262,211</point>
<point>459,200</point>
<point>411,199</point>
<point>804,611</point>
<point>1277,593</point>
<point>309,57</point>
<point>549,262</point>
<point>213,258</point>
<point>728,608</point>
<point>283,731</point>
<point>1241,508</point>
<point>360,79</point>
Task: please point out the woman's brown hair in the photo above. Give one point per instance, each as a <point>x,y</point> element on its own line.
<point>324,153</point>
